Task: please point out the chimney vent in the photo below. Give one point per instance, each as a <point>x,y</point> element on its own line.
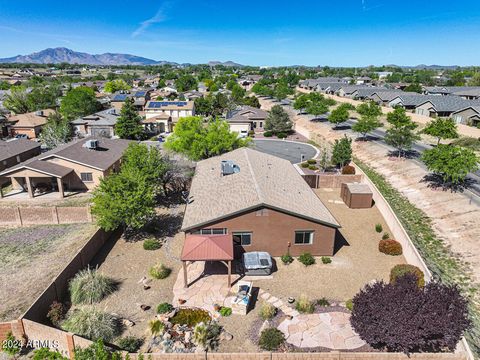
<point>91,144</point>
<point>39,112</point>
<point>229,167</point>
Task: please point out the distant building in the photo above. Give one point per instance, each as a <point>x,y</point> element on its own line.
<point>29,124</point>
<point>246,119</point>
<point>164,114</point>
<point>100,124</point>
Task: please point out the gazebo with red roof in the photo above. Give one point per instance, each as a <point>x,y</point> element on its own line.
<point>207,248</point>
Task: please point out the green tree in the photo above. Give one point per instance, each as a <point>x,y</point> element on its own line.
<point>475,80</point>
<point>342,151</point>
<point>369,109</point>
<point>414,87</point>
<point>278,120</point>
<point>17,101</point>
<point>366,124</point>
<point>401,133</point>
<point>116,85</point>
<point>316,109</point>
<point>56,131</point>
<point>338,115</point>
<point>251,101</point>
<point>282,90</point>
<point>452,163</point>
<point>442,129</point>
<point>197,140</point>
<point>301,102</point>
<point>186,83</point>
<point>128,123</point>
<point>43,98</point>
<point>79,102</point>
<point>127,199</point>
<point>238,93</point>
<point>4,85</point>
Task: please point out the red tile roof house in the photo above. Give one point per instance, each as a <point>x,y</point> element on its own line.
<point>261,202</point>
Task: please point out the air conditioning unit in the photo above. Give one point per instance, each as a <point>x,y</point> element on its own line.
<point>91,144</point>
<point>229,167</point>
<point>39,112</point>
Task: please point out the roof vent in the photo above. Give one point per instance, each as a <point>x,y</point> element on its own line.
<point>111,111</point>
<point>39,112</point>
<point>228,167</point>
<point>91,144</point>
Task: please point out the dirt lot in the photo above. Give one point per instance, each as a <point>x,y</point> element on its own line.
<point>356,262</point>
<point>31,258</point>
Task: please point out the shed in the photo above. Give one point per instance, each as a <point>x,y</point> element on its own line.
<point>356,195</point>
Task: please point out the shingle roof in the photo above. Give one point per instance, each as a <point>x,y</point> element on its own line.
<point>31,119</point>
<point>49,168</point>
<point>249,113</point>
<point>207,247</point>
<point>263,180</point>
<point>16,147</point>
<point>449,103</point>
<point>105,117</point>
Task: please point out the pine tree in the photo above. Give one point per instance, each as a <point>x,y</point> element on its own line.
<point>128,123</point>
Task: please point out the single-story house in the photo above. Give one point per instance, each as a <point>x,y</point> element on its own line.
<point>247,118</point>
<point>409,102</point>
<point>140,98</point>
<point>383,97</point>
<point>100,124</point>
<point>15,151</point>
<point>468,116</point>
<point>117,100</point>
<point>29,124</point>
<point>262,202</point>
<point>76,166</point>
<point>443,106</point>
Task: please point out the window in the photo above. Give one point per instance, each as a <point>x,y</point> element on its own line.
<point>242,238</point>
<point>261,124</point>
<point>86,177</point>
<point>217,231</point>
<point>303,237</point>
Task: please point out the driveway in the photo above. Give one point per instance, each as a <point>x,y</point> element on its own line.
<point>288,150</point>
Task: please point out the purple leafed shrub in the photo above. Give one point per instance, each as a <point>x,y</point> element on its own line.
<point>402,317</point>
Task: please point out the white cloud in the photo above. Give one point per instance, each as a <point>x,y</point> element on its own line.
<point>159,17</point>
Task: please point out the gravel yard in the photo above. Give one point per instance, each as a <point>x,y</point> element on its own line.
<point>31,258</point>
<point>356,262</point>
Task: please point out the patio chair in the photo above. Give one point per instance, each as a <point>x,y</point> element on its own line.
<point>242,299</point>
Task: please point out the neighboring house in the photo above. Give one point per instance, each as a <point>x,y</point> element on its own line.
<point>76,166</point>
<point>15,151</point>
<point>248,81</point>
<point>100,124</point>
<point>117,100</point>
<point>383,74</point>
<point>245,119</point>
<point>384,97</point>
<point>262,202</point>
<point>29,124</point>
<point>469,93</point>
<point>409,102</point>
<point>363,80</point>
<point>443,106</point>
<point>140,98</point>
<point>167,113</point>
<point>468,116</point>
<point>311,84</point>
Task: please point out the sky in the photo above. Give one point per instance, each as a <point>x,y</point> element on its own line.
<point>265,33</point>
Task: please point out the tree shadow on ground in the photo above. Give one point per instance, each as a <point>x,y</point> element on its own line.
<point>319,119</point>
<point>343,127</point>
<point>161,226</point>
<point>406,154</point>
<point>171,199</point>
<point>367,138</point>
<point>435,182</point>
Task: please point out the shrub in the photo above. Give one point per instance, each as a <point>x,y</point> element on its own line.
<point>312,167</point>
<point>271,339</point>
<point>92,324</point>
<point>11,345</point>
<point>56,313</point>
<point>98,351</point>
<point>268,134</point>
<point>436,314</point>
<point>348,170</point>
<point>385,236</point>
<point>164,308</point>
<point>190,317</point>
<point>267,311</point>
<point>287,259</point>
<point>281,135</point>
<point>89,286</point>
<point>151,244</point>
<point>402,269</point>
<point>304,305</point>
<point>312,161</point>
<point>159,271</point>
<point>323,302</point>
<point>207,335</point>
<point>304,165</point>
<point>47,354</point>
<point>251,133</point>
<point>156,327</point>
<point>326,260</point>
<point>306,259</point>
<point>349,304</point>
<point>225,311</point>
<point>378,228</point>
<point>390,247</point>
<point>130,343</point>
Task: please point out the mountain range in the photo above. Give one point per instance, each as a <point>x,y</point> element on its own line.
<point>64,55</point>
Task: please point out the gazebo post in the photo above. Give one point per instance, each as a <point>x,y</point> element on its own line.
<point>185,279</point>
<point>229,273</point>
